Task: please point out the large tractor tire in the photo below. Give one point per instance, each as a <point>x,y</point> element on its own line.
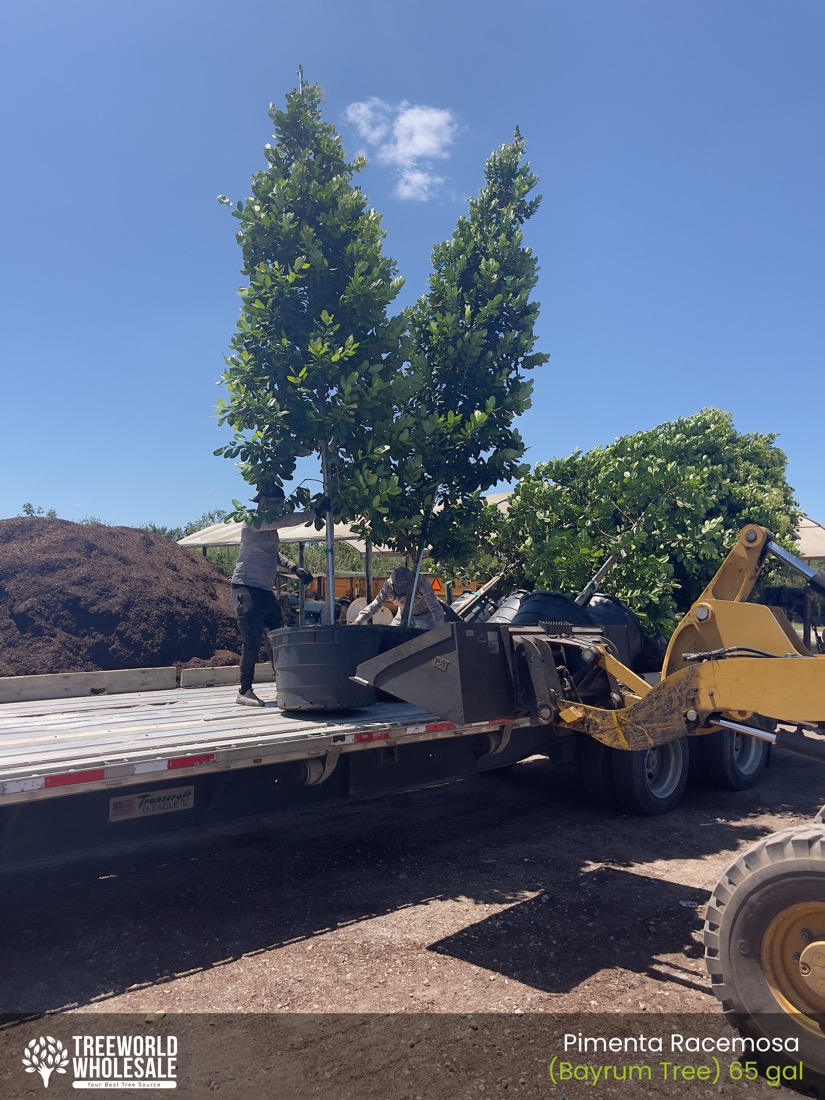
<point>765,953</point>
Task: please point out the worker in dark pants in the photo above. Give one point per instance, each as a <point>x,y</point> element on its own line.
<point>253,582</point>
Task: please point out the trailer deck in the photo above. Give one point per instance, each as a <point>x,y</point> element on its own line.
<point>62,746</point>
<point>86,773</point>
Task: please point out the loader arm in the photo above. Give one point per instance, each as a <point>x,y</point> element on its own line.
<point>727,660</point>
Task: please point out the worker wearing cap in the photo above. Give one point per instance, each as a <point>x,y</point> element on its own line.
<point>427,611</point>
<point>253,582</point>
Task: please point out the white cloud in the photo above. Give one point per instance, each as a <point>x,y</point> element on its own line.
<point>371,119</point>
<point>420,133</point>
<point>417,184</point>
<point>408,138</point>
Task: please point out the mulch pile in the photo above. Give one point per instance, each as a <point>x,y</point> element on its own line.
<point>79,598</point>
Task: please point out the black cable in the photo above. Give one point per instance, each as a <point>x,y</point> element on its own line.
<point>732,651</point>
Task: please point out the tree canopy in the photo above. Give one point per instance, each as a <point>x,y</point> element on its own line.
<point>669,500</point>
<point>472,340</point>
<point>314,353</point>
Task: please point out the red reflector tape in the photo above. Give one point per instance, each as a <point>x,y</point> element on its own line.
<point>434,727</point>
<point>68,778</point>
<point>189,761</point>
<point>368,735</point>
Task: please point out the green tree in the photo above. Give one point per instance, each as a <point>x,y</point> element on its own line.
<point>217,515</point>
<point>314,354</point>
<point>472,344</point>
<point>30,510</point>
<point>671,502</point>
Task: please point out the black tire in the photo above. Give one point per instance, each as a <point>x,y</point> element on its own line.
<point>731,760</point>
<point>765,909</point>
<point>652,781</point>
<point>596,770</point>
<point>553,607</point>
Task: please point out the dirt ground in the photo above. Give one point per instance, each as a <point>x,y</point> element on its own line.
<point>432,944</point>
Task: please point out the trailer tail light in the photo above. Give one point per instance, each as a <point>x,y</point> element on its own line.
<point>69,778</point>
<point>190,761</point>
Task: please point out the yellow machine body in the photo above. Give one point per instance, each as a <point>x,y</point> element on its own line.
<point>727,659</point>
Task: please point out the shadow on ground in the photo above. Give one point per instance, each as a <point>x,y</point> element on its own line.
<point>566,870</point>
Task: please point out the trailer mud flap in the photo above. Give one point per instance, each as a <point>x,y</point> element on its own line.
<point>460,671</point>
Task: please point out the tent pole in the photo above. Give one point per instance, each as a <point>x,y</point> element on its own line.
<point>301,591</point>
<point>330,536</point>
<point>368,568</point>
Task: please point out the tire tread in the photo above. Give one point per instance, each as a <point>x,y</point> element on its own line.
<point>794,843</point>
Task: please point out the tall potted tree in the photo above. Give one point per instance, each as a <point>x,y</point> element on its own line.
<point>314,356</point>
<point>473,338</point>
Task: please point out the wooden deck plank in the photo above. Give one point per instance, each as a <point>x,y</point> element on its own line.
<point>270,747</point>
<point>127,717</point>
<point>203,698</point>
<point>170,734</point>
<point>113,682</point>
<point>69,684</point>
<point>264,718</point>
<point>176,712</point>
<point>223,674</point>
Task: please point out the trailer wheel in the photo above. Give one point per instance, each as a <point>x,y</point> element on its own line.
<point>765,951</point>
<point>732,760</point>
<point>652,781</point>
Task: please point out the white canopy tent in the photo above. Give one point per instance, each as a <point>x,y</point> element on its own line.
<point>298,527</point>
<point>293,528</point>
<point>810,537</point>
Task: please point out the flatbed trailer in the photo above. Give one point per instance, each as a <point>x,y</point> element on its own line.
<point>79,775</point>
<point>100,770</point>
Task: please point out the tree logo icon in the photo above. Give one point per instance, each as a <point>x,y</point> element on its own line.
<point>45,1056</point>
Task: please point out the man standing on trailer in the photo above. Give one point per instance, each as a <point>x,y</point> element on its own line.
<point>253,583</point>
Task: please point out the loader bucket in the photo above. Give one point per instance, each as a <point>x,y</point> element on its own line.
<point>459,671</point>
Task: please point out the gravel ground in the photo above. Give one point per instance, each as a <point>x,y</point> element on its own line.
<point>431,944</point>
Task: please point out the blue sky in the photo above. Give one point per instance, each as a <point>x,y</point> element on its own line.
<point>681,241</point>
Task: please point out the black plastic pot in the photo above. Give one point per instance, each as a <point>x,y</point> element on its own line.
<point>313,664</point>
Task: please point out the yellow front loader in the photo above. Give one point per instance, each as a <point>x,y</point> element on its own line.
<point>730,665</point>
<point>727,662</point>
